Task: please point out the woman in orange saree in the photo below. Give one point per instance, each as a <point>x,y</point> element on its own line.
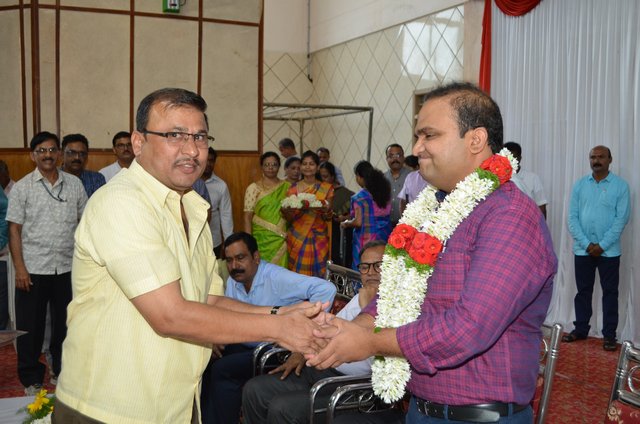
<point>308,235</point>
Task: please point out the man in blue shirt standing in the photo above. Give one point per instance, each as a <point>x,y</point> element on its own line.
<point>598,212</point>
<point>255,281</point>
<point>75,148</point>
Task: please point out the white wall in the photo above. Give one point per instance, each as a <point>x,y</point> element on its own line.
<point>337,21</point>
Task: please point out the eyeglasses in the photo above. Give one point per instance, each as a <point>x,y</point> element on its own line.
<point>394,155</point>
<point>271,165</point>
<point>43,150</point>
<point>364,267</point>
<point>123,146</point>
<point>72,153</point>
<point>179,138</point>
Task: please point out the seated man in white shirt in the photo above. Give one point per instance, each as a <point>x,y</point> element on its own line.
<point>528,182</point>
<point>284,398</point>
<point>251,280</point>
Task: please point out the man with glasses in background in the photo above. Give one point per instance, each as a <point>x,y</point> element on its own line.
<point>148,301</point>
<point>44,209</point>
<point>75,151</point>
<point>124,154</point>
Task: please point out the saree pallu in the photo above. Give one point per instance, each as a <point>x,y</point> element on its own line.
<point>269,227</point>
<point>308,235</point>
<point>376,223</point>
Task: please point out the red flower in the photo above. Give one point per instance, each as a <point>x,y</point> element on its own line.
<point>396,240</point>
<point>500,166</point>
<point>305,204</point>
<point>404,231</point>
<point>424,249</point>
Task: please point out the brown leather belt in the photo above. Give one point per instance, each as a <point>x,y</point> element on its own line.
<point>480,413</point>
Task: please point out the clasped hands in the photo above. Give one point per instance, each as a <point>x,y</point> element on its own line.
<point>594,250</point>
<point>324,340</point>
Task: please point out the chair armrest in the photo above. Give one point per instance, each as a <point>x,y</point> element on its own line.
<point>357,394</point>
<point>272,359</point>
<point>257,355</point>
<point>329,385</point>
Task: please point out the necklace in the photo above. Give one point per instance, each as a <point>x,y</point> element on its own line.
<point>411,256</point>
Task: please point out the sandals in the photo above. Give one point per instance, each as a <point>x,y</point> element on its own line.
<point>610,345</point>
<point>572,337</point>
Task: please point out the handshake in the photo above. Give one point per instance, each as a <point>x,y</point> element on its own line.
<point>325,340</point>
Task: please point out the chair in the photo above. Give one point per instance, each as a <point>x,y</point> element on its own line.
<point>347,282</point>
<point>548,357</point>
<point>624,403</point>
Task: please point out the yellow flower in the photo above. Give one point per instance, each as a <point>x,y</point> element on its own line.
<point>39,402</point>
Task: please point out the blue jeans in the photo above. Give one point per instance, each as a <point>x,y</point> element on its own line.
<point>414,417</point>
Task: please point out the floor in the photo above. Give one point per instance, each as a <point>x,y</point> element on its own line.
<point>580,393</point>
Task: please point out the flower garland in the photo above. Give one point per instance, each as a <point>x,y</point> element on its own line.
<point>39,412</point>
<point>411,255</point>
<point>302,201</point>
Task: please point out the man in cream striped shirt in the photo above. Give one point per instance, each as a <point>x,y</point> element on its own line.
<point>147,300</point>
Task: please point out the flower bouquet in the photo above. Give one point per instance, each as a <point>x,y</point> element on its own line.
<point>39,412</point>
<point>303,201</point>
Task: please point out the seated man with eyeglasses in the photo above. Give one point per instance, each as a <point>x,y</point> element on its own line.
<point>124,153</point>
<point>75,149</point>
<point>254,281</point>
<point>44,210</point>
<point>284,398</point>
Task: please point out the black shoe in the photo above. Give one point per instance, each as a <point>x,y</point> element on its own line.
<point>572,337</point>
<point>610,345</point>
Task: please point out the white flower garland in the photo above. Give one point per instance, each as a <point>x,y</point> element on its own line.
<point>403,287</point>
<point>297,201</point>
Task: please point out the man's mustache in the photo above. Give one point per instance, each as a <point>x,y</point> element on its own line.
<point>235,272</point>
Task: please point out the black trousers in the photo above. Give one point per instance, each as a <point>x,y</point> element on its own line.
<point>31,315</point>
<point>609,270</point>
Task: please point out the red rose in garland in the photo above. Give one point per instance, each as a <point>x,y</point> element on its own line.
<point>500,166</point>
<point>402,236</point>
<point>424,249</point>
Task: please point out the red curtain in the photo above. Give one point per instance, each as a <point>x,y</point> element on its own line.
<point>516,7</point>
<point>508,7</point>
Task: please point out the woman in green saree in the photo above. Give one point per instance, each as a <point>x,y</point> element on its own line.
<point>262,216</point>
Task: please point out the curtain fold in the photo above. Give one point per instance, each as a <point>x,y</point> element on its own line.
<point>567,78</point>
<point>516,7</point>
<point>484,81</point>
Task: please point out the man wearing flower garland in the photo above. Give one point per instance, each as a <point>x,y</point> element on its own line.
<point>472,347</point>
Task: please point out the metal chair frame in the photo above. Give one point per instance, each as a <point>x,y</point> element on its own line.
<point>626,385</point>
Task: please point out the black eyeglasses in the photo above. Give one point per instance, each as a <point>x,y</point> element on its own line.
<point>364,267</point>
<point>43,150</point>
<point>73,153</point>
<point>123,146</point>
<point>179,138</point>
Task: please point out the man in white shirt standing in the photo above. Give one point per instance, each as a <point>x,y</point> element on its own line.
<point>124,154</point>
<point>221,222</point>
<point>527,181</point>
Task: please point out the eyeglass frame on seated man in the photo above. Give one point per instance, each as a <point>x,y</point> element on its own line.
<point>176,137</point>
<point>377,266</point>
